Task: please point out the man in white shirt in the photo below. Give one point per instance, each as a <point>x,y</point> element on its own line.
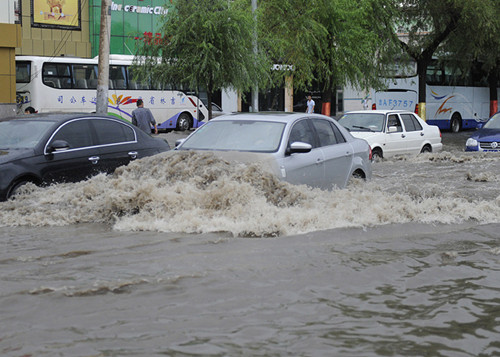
<point>310,105</point>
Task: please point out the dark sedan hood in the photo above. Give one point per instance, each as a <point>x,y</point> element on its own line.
<point>7,155</point>
<point>487,135</point>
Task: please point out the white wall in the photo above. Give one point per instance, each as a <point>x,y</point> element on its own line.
<point>229,100</point>
<point>7,11</point>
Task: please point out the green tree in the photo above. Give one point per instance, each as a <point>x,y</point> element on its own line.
<point>462,30</point>
<point>333,42</point>
<point>427,24</point>
<point>477,42</point>
<point>208,45</point>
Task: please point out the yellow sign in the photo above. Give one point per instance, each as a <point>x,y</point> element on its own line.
<point>56,13</point>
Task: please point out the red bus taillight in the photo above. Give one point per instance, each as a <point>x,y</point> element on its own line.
<point>416,108</point>
<point>192,101</point>
<point>374,106</point>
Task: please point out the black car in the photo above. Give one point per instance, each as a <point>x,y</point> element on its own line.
<point>50,148</point>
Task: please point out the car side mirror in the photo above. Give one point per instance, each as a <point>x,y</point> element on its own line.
<point>58,145</point>
<point>179,141</point>
<point>299,147</point>
<point>392,129</point>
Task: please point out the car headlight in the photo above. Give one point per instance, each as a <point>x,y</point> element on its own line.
<point>471,142</point>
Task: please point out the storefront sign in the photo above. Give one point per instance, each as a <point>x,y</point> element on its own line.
<point>151,10</point>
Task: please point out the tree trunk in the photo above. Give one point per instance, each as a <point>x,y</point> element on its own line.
<point>422,64</point>
<point>209,100</point>
<point>421,72</point>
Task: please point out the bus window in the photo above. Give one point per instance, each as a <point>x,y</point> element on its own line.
<point>454,76</point>
<point>479,77</point>
<point>138,83</point>
<point>85,76</point>
<point>434,75</point>
<point>23,72</point>
<point>57,75</point>
<point>117,77</point>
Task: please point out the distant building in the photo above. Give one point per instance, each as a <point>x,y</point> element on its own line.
<point>10,39</point>
<point>54,27</point>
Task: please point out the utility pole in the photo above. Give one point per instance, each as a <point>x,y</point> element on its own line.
<point>103,65</point>
<point>255,89</point>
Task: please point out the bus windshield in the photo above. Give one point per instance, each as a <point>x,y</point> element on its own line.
<point>399,69</point>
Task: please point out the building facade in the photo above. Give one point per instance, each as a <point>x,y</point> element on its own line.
<point>10,39</point>
<point>54,27</point>
<point>131,21</point>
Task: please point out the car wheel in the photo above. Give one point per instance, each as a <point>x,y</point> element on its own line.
<point>456,123</point>
<point>426,148</point>
<point>14,190</point>
<point>377,154</point>
<point>183,122</point>
<point>356,177</point>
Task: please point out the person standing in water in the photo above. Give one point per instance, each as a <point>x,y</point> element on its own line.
<point>143,118</point>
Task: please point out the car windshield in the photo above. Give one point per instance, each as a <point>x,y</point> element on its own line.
<point>494,122</point>
<point>22,134</point>
<point>237,135</point>
<point>362,121</point>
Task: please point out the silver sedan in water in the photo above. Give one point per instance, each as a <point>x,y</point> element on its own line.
<point>299,148</point>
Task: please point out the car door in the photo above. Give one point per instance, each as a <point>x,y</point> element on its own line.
<point>117,143</point>
<point>78,161</point>
<point>414,133</point>
<point>395,142</point>
<point>336,151</point>
<point>304,168</point>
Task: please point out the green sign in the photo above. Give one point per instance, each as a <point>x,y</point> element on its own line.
<point>131,21</point>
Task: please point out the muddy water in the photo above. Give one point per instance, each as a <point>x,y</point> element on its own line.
<point>186,255</point>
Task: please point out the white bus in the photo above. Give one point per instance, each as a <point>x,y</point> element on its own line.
<point>64,84</point>
<point>454,100</point>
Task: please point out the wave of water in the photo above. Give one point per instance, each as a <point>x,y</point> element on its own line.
<point>199,193</point>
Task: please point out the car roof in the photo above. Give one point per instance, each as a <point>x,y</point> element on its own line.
<point>57,117</point>
<point>283,117</point>
<point>379,111</point>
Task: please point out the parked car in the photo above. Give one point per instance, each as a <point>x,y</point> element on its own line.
<point>49,148</point>
<point>393,132</point>
<point>217,111</point>
<point>487,138</point>
<point>301,149</point>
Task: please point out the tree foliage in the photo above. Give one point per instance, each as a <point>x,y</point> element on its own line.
<point>335,42</point>
<point>208,44</point>
<point>478,40</point>
<point>463,30</point>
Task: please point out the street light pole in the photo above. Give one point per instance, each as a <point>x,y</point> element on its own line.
<point>103,64</point>
<point>255,89</point>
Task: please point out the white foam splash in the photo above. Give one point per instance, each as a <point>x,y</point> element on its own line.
<point>200,193</point>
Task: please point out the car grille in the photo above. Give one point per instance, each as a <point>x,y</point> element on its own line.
<point>490,146</point>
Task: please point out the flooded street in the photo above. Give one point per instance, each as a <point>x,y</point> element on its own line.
<point>182,254</point>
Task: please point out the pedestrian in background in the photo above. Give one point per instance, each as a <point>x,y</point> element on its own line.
<point>143,118</point>
<point>310,105</point>
<point>29,110</point>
